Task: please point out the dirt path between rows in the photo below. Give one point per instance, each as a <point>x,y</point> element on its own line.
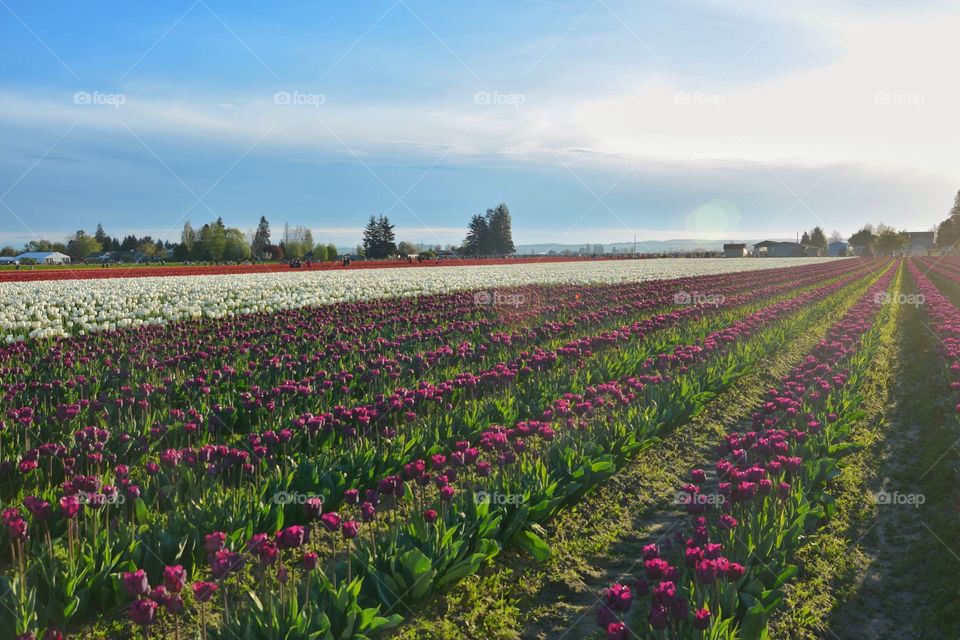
<point>908,568</point>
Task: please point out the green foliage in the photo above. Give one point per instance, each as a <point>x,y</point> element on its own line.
<point>379,240</point>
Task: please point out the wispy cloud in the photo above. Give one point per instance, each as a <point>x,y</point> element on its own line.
<point>794,112</point>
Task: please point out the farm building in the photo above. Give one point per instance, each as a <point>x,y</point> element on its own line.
<point>838,249</point>
<point>776,249</point>
<point>44,257</point>
<point>734,251</point>
<point>921,243</point>
<point>811,251</point>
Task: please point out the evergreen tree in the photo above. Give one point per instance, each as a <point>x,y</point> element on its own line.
<point>261,239</point>
<point>501,234</point>
<point>332,251</point>
<point>477,242</point>
<point>130,243</point>
<point>818,238</point>
<point>388,241</point>
<point>379,240</point>
<point>805,239</point>
<point>101,236</point>
<point>371,236</point>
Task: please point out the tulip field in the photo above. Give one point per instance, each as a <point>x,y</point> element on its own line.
<point>336,455</point>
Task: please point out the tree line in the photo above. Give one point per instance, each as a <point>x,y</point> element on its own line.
<point>488,234</point>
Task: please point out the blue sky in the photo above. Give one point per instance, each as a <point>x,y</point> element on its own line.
<point>593,120</point>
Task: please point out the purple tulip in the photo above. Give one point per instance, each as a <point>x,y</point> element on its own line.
<point>331,521</point>
<point>203,591</point>
<point>701,620</point>
<point>136,583</point>
<point>174,578</point>
<point>142,612</point>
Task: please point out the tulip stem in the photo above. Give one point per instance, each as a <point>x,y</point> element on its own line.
<point>349,551</point>
<point>334,561</point>
<point>226,605</point>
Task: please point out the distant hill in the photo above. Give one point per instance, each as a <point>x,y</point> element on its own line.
<point>648,246</point>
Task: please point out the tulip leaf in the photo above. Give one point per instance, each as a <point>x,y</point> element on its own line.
<point>533,544</point>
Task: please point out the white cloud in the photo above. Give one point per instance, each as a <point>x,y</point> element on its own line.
<point>885,101</point>
<point>876,110</point>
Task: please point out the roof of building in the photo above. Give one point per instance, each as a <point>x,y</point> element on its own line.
<point>40,255</point>
<point>773,243</point>
<point>734,246</point>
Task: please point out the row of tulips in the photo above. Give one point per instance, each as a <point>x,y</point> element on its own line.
<point>45,309</point>
<point>301,344</point>
<point>91,529</point>
<point>92,443</point>
<point>720,575</point>
<point>943,315</point>
<point>403,559</point>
